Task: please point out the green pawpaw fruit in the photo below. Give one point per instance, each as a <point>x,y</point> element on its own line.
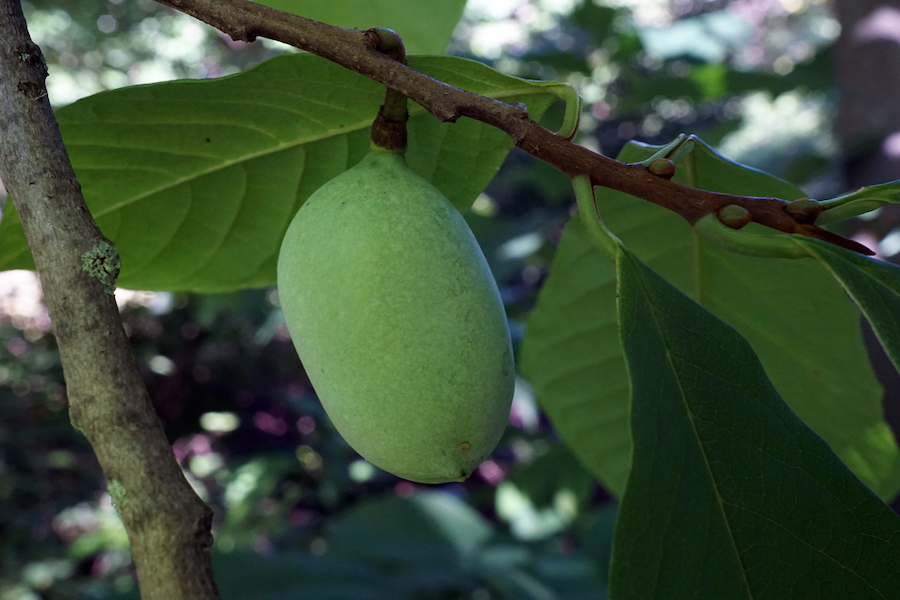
<point>398,321</point>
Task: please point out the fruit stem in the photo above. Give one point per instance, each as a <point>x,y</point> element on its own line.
<point>389,127</point>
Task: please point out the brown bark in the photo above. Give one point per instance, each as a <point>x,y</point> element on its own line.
<point>167,524</point>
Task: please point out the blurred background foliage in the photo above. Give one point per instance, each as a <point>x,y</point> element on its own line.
<point>298,513</point>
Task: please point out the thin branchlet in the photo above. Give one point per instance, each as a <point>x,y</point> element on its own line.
<point>348,48</point>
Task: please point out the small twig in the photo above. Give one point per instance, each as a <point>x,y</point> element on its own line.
<point>244,20</point>
<point>167,524</point>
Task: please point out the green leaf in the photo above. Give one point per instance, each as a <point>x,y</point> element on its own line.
<point>434,545</point>
<point>430,527</point>
<point>730,495</point>
<point>873,284</point>
<point>196,181</point>
<point>861,201</point>
<point>799,321</point>
<point>571,356</point>
<point>425,27</point>
<point>271,576</point>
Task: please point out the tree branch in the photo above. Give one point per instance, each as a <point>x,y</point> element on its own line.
<point>245,21</point>
<point>167,524</point>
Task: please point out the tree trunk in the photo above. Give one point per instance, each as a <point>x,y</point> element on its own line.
<point>167,524</point>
